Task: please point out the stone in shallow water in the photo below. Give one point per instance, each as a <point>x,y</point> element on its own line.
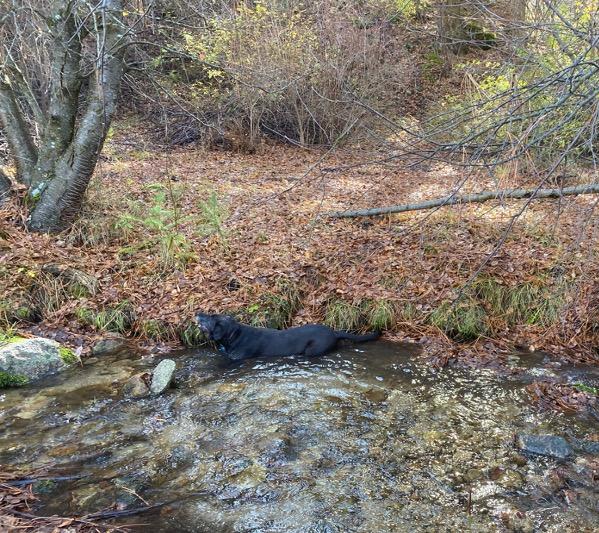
<point>163,376</point>
<point>548,445</point>
<point>136,387</point>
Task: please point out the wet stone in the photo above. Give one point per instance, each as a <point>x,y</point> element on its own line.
<point>163,376</point>
<point>547,445</point>
<point>136,387</point>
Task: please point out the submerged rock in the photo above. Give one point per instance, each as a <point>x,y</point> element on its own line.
<point>136,386</point>
<point>109,345</point>
<point>33,358</point>
<point>548,445</point>
<point>163,376</point>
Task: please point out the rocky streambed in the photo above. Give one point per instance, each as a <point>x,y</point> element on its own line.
<point>365,439</point>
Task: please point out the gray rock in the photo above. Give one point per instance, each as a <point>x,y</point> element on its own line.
<point>110,345</point>
<point>136,387</point>
<point>586,446</point>
<point>163,376</point>
<point>548,445</point>
<point>33,358</point>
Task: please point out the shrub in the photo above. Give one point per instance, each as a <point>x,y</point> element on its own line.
<point>294,70</point>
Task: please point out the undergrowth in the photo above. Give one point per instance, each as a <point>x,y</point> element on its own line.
<point>488,307</point>
<point>367,314</point>
<point>117,319</point>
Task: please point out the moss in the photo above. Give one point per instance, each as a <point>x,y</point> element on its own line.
<point>479,36</point>
<point>8,337</point>
<point>67,355</point>
<point>11,380</point>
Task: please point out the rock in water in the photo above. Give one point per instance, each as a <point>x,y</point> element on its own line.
<point>548,445</point>
<point>163,376</point>
<point>136,386</point>
<point>33,358</point>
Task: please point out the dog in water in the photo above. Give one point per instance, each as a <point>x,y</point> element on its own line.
<point>239,341</point>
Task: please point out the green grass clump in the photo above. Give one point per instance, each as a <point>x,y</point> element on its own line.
<point>11,380</point>
<point>586,388</point>
<point>117,319</point>
<point>191,335</point>
<point>379,315</point>
<point>525,303</point>
<point>273,309</point>
<point>342,315</point>
<point>157,330</point>
<point>464,321</point>
<point>488,306</point>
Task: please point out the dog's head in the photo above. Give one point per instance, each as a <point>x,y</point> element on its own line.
<point>215,327</point>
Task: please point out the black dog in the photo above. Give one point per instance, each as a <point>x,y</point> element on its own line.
<point>238,341</point>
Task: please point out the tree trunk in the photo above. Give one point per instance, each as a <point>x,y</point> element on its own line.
<point>57,171</point>
<point>590,188</point>
<point>450,25</point>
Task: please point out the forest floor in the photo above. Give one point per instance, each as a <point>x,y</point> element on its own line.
<point>167,232</point>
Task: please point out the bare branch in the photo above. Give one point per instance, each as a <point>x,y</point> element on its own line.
<point>589,188</point>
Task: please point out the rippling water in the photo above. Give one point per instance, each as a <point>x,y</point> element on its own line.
<point>366,440</point>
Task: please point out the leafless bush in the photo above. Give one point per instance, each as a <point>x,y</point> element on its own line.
<point>282,69</point>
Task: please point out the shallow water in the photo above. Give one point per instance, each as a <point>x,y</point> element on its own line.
<point>367,439</point>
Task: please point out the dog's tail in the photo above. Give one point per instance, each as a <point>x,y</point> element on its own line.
<point>343,335</point>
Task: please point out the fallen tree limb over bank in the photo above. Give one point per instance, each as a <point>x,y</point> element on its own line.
<point>589,188</point>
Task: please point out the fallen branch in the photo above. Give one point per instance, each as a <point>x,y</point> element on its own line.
<point>589,188</point>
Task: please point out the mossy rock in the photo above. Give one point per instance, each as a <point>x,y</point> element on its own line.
<point>32,359</point>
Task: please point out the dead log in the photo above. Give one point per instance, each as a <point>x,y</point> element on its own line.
<point>484,196</point>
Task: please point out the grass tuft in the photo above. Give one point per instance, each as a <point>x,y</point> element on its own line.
<point>274,309</point>
<point>464,321</point>
<point>117,319</point>
<point>379,315</point>
<point>157,330</point>
<point>191,335</point>
<point>342,315</point>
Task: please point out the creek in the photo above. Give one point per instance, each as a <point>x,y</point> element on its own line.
<point>366,439</point>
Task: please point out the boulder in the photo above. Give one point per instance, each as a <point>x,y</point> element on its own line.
<point>33,358</point>
<point>548,445</point>
<point>109,345</point>
<point>163,376</point>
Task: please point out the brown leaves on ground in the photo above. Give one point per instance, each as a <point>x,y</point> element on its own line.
<point>561,397</point>
<point>275,229</point>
